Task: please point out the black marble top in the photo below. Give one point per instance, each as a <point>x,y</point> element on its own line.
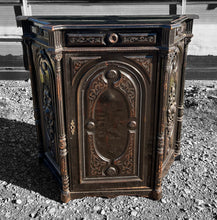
<point>65,22</point>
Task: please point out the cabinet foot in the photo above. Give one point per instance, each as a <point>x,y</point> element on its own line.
<point>178,157</point>
<point>157,195</point>
<point>41,158</point>
<point>65,197</point>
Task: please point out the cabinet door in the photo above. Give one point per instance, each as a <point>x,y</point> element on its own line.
<point>108,112</point>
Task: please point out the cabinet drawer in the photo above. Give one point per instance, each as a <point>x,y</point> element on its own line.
<point>109,39</point>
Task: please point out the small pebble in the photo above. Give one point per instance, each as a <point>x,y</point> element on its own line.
<point>199,202</point>
<point>187,191</point>
<point>18,201</point>
<point>134,213</point>
<point>163,201</point>
<point>97,208</point>
<point>103,212</point>
<point>32,215</point>
<point>52,211</point>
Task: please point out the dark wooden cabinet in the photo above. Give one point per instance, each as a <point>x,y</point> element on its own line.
<point>108,99</point>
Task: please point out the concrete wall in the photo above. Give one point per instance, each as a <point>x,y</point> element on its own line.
<point>204,41</point>
<point>205,28</point>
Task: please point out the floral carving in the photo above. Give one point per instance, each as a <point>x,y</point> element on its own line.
<point>77,64</point>
<point>46,72</point>
<point>86,39</point>
<point>96,88</point>
<point>126,86</point>
<point>171,109</point>
<point>126,164</point>
<point>172,69</point>
<point>96,164</point>
<point>141,38</point>
<point>145,62</point>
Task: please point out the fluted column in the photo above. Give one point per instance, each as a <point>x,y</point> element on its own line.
<point>165,69</point>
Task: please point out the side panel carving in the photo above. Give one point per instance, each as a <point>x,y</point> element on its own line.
<point>173,69</point>
<point>46,73</point>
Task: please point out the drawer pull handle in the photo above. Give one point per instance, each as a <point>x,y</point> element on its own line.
<point>113,38</point>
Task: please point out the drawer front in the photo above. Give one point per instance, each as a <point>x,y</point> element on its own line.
<point>111,39</point>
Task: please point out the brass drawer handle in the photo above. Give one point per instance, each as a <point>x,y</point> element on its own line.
<point>113,38</point>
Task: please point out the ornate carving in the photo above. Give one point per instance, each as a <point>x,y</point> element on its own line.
<point>77,64</point>
<point>111,171</point>
<point>160,144</point>
<point>62,142</point>
<point>187,40</point>
<point>65,183</point>
<point>171,109</point>
<point>96,164</point>
<point>139,38</point>
<point>126,164</point>
<point>110,139</point>
<point>97,87</point>
<point>46,72</point>
<point>112,74</point>
<point>85,39</point>
<point>57,57</point>
<point>145,62</point>
<point>127,87</point>
<point>173,63</point>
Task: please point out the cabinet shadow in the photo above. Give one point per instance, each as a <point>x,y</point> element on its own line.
<point>19,164</point>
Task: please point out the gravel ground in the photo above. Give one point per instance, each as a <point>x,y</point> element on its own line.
<point>29,191</point>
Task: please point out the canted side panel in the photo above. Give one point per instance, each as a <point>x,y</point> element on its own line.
<point>172,101</point>
<point>46,93</point>
<point>110,125</point>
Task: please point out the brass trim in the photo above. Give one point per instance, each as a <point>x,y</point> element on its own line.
<point>72,127</point>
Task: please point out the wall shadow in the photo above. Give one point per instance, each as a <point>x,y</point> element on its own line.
<point>19,163</point>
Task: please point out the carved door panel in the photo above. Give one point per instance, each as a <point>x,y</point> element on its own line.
<point>110,133</point>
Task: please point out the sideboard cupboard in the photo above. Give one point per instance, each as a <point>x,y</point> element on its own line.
<point>108,99</point>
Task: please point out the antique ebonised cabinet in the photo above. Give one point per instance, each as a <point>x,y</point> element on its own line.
<point>108,99</point>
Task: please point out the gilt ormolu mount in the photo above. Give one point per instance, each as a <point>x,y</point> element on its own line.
<point>108,99</point>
